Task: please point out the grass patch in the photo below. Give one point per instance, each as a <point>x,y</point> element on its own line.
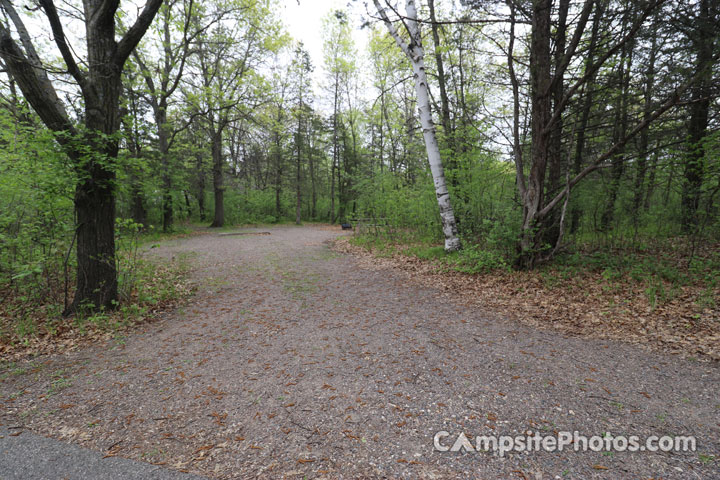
<point>472,259</point>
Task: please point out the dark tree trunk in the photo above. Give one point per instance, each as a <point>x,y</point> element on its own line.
<point>530,241</point>
<point>97,285</point>
<point>94,151</point>
<point>218,187</point>
<point>576,212</point>
<point>556,158</point>
<point>643,142</point>
<point>699,113</point>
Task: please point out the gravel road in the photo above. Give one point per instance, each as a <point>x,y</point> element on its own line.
<point>292,361</point>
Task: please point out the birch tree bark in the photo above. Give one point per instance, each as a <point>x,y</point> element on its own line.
<point>414,51</point>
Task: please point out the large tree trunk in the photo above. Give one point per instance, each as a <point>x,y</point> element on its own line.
<point>218,187</point>
<point>699,113</point>
<point>531,235</point>
<point>95,150</point>
<point>414,52</point>
<point>97,285</point>
<point>97,280</point>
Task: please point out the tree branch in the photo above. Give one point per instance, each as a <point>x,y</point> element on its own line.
<point>671,101</point>
<point>132,37</point>
<point>391,28</point>
<point>591,70</point>
<point>59,36</point>
<point>32,55</point>
<point>32,79</point>
<point>568,54</point>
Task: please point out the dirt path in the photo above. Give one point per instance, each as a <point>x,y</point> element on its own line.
<point>292,361</point>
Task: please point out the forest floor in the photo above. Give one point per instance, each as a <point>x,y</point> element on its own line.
<point>650,300</point>
<point>294,361</point>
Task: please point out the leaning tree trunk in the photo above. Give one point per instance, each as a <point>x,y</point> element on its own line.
<point>414,51</point>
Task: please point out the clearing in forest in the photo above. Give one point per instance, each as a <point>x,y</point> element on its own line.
<point>293,361</point>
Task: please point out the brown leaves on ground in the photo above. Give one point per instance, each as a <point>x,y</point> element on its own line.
<point>31,329</point>
<point>586,305</point>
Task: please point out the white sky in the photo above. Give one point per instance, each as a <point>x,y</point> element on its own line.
<point>304,22</point>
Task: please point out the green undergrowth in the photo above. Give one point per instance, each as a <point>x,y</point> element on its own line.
<point>31,311</point>
<point>471,259</point>
<point>662,270</point>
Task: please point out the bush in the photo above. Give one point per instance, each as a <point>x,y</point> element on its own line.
<point>473,259</point>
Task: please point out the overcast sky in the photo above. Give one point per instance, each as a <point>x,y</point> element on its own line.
<point>304,22</point>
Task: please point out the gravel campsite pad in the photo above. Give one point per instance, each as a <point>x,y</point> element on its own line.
<point>293,361</point>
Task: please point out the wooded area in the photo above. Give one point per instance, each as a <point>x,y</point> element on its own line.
<point>559,124</point>
<point>533,189</point>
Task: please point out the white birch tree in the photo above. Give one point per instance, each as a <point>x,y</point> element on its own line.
<point>413,49</point>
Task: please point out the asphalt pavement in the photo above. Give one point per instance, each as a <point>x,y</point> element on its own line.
<point>26,456</point>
